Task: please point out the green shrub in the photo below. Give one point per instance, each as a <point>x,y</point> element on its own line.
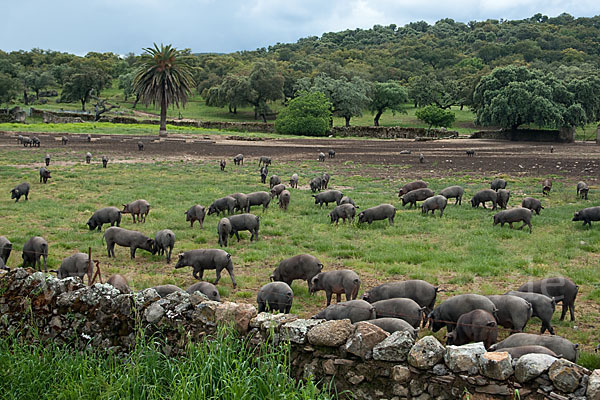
<point>308,114</point>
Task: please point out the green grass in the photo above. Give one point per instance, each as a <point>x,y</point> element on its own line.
<point>225,368</point>
<point>462,251</point>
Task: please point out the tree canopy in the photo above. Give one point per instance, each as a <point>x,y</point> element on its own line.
<point>386,96</point>
<point>307,114</point>
<point>435,116</point>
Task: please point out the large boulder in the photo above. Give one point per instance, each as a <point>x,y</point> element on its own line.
<point>331,333</point>
<point>496,365</point>
<point>565,375</point>
<point>238,314</point>
<point>530,366</point>
<point>297,330</point>
<point>593,389</point>
<point>364,338</point>
<point>395,347</point>
<point>427,352</point>
<point>154,313</point>
<point>464,358</point>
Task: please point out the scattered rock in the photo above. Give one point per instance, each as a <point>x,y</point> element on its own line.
<point>364,338</point>
<point>427,352</point>
<point>239,314</point>
<point>496,365</point>
<point>565,375</point>
<point>593,389</point>
<point>154,313</point>
<point>297,330</point>
<point>331,333</point>
<point>395,347</point>
<point>530,366</point>
<point>400,373</point>
<point>464,358</point>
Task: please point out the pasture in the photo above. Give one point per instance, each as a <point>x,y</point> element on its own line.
<point>462,252</point>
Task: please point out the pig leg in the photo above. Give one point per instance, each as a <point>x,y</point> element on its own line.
<point>328,294</point>
<point>572,310</point>
<point>110,246</point>
<point>232,276</point>
<point>483,205</point>
<point>198,273</point>
<point>132,251</point>
<point>237,235</point>
<point>169,255</point>
<point>261,307</point>
<point>45,266</point>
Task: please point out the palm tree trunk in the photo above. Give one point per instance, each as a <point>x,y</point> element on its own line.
<point>163,116</point>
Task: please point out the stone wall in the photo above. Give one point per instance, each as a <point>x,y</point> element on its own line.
<point>362,360</point>
<point>564,135</point>
<point>390,132</point>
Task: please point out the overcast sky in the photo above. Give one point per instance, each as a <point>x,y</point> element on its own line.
<point>122,26</point>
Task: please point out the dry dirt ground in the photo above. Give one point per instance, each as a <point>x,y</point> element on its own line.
<point>377,158</point>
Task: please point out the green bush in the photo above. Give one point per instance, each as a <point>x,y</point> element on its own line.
<point>435,116</point>
<point>308,114</point>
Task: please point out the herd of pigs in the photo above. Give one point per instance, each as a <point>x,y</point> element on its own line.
<point>393,306</point>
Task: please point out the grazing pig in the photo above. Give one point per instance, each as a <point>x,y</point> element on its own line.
<point>223,204</point>
<point>277,189</point>
<point>64,140</point>
<point>405,152</point>
<point>165,290</point>
<point>76,265</point>
<point>519,351</point>
<point>141,208</point>
<point>543,307</point>
<point>502,198</point>
<point>35,248</point>
<point>126,238</point>
<point>474,326</point>
<point>44,175</point>
<point>257,199</point>
<point>483,196</point>
<point>5,249</point>
<point>401,307</point>
<point>20,190</point>
<point>164,241</point>
<point>196,213</point>
<point>498,184</point>
<point>325,180</point>
<point>3,266</point>
<point>454,192</point>
<point>206,288</point>
<point>294,181</point>
<point>449,311</point>
<point>315,184</point>
<point>343,211</point>
<point>104,161</point>
<point>302,266</point>
<point>238,160</point>
<point>377,213</point>
<point>20,139</point>
<point>107,215</point>
<point>331,153</point>
<point>222,164</point>
<point>202,259</point>
<point>88,138</point>
<point>244,222</point>
<point>416,195</point>
<point>264,161</point>
<point>140,146</point>
<point>513,311</point>
<point>470,153</point>
<point>275,296</point>
<point>348,200</point>
<point>223,231</point>
<point>424,293</point>
<point>274,180</point>
<point>546,187</point>
<point>582,190</point>
<point>411,186</point>
<point>562,289</point>
<point>322,157</point>
<point>587,215</point>
<point>354,310</point>
<point>532,204</point>
<point>438,202</point>
<point>421,158</point>
<point>264,171</point>
<point>35,141</point>
<point>26,141</point>
<point>119,282</point>
<point>514,215</point>
<point>327,197</point>
<point>241,201</point>
<point>47,159</point>
<point>557,344</point>
<point>284,200</point>
<point>391,325</point>
<point>340,282</point>
<point>88,157</point>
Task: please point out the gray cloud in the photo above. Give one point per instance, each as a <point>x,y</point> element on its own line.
<point>125,26</point>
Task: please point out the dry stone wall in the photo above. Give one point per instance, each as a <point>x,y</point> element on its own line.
<point>362,360</point>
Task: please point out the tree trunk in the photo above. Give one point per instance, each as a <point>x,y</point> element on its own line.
<point>83,105</point>
<point>461,107</point>
<point>347,121</point>
<point>125,98</point>
<point>163,116</point>
<point>230,110</point>
<point>235,109</point>
<point>25,100</point>
<point>137,98</point>
<point>37,94</point>
<point>377,116</point>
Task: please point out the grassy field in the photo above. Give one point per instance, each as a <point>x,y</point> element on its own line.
<point>462,251</point>
<point>221,369</point>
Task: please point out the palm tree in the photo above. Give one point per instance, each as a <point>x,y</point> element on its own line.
<point>165,78</point>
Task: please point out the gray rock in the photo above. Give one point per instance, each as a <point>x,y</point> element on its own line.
<point>400,373</point>
<point>400,390</point>
<point>297,330</point>
<point>440,370</point>
<point>464,358</point>
<point>267,320</point>
<point>496,365</point>
<point>364,338</point>
<point>395,347</point>
<point>565,375</point>
<point>416,387</point>
<point>530,366</point>
<point>331,333</point>
<point>427,352</point>
<point>593,388</point>
<point>154,313</point>
<point>146,297</point>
